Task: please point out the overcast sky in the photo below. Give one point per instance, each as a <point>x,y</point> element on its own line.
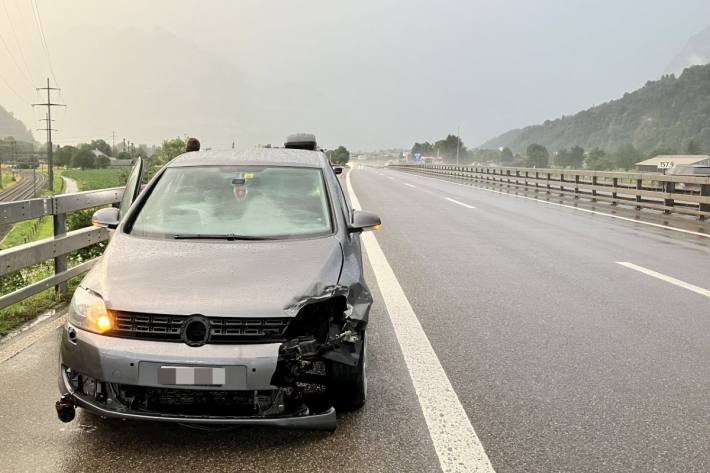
<point>368,74</point>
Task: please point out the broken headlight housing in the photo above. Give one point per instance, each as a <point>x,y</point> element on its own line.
<point>88,311</point>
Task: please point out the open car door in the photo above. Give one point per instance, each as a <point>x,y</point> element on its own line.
<point>133,186</point>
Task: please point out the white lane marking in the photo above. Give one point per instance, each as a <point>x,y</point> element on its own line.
<point>390,177</point>
<point>30,339</point>
<point>459,203</point>
<point>658,225</point>
<point>668,279</point>
<point>409,185</point>
<point>455,441</point>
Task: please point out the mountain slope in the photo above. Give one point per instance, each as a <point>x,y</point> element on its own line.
<point>695,52</point>
<point>11,126</point>
<point>666,113</point>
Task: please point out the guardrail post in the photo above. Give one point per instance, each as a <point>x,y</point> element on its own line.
<point>639,186</point>
<point>614,185</point>
<point>537,185</point>
<point>705,192</point>
<point>562,184</point>
<point>547,183</point>
<point>576,186</point>
<point>670,188</point>
<point>60,262</point>
<point>594,191</point>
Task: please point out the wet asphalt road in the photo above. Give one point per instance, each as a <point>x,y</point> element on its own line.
<point>562,359</point>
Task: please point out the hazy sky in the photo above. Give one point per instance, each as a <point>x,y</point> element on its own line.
<point>368,74</point>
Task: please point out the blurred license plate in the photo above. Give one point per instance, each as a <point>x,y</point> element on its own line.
<point>191,376</point>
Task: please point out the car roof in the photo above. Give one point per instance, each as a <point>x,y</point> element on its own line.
<point>255,157</point>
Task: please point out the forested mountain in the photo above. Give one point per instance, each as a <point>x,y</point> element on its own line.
<point>666,114</point>
<point>11,126</point>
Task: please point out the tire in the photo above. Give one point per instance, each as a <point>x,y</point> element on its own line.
<point>347,385</point>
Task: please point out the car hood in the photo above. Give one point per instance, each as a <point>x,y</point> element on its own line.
<point>215,278</point>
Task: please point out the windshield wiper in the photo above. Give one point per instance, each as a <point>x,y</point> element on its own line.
<point>227,236</point>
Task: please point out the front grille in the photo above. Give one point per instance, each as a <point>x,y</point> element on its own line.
<point>222,329</point>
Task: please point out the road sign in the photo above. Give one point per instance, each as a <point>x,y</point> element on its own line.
<point>665,165</point>
<point>417,156</point>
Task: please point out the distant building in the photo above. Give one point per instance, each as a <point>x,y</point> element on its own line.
<point>98,153</point>
<point>667,161</point>
<point>119,163</point>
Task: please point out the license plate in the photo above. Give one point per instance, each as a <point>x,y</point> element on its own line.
<point>191,376</point>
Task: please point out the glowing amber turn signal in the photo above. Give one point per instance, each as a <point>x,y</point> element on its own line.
<point>103,323</point>
<point>377,227</point>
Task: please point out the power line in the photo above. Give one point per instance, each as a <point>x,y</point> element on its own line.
<point>14,34</point>
<point>43,38</point>
<point>12,89</point>
<point>14,59</point>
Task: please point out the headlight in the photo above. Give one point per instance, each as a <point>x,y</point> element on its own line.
<point>88,311</point>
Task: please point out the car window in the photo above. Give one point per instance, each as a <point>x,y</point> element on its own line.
<point>247,201</point>
<point>132,186</point>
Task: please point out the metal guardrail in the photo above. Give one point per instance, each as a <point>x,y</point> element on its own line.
<point>56,247</point>
<point>689,195</point>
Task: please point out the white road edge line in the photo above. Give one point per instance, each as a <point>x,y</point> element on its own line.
<point>30,339</point>
<point>459,203</point>
<point>668,279</point>
<point>633,220</point>
<point>409,185</point>
<point>453,436</point>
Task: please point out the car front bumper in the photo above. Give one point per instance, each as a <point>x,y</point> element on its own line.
<point>127,362</point>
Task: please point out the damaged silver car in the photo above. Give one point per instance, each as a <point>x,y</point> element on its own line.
<point>231,292</point>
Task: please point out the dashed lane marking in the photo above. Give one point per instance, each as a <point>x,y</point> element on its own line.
<point>668,279</point>
<point>460,203</point>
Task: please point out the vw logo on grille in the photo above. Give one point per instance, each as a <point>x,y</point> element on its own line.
<point>195,331</point>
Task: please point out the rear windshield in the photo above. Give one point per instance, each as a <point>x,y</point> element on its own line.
<point>252,202</point>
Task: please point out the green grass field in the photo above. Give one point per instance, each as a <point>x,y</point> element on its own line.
<point>7,178</point>
<point>91,179</point>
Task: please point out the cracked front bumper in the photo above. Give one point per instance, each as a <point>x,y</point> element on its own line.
<point>128,362</point>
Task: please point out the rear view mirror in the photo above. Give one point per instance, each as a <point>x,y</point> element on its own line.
<point>338,170</point>
<point>106,218</point>
<point>364,221</point>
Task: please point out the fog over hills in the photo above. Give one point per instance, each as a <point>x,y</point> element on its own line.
<point>696,52</point>
<point>11,126</point>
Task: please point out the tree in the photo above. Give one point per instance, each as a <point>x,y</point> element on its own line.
<point>64,155</point>
<point>168,150</point>
<point>626,156</point>
<point>123,155</point>
<point>576,157</point>
<point>83,159</point>
<point>102,162</point>
<point>661,151</point>
<point>447,147</point>
<point>597,160</point>
<point>425,149</point>
<point>538,156</point>
<point>506,156</point>
<point>693,147</point>
<point>102,146</point>
<point>562,158</point>
<point>339,155</point>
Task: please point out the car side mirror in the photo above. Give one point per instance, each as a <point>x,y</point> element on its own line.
<point>364,221</point>
<point>106,218</point>
<point>338,170</point>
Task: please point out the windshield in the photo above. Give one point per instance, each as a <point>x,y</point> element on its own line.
<point>232,202</point>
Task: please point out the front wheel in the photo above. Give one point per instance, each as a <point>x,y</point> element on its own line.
<point>347,385</point>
